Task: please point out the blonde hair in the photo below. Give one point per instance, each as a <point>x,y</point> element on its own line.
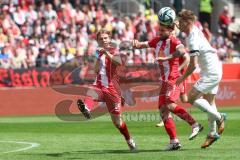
<point>187,15</point>
<point>104,31</point>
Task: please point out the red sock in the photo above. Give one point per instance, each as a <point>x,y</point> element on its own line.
<point>124,131</point>
<point>170,128</point>
<point>89,102</point>
<point>183,114</point>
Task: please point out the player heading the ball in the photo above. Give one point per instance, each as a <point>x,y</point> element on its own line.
<point>168,49</point>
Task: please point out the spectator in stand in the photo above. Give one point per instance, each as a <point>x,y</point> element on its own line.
<point>119,25</point>
<point>53,58</point>
<point>41,60</point>
<point>30,58</point>
<point>205,11</point>
<point>218,40</point>
<point>178,5</point>
<point>234,31</point>
<point>207,33</point>
<point>71,26</point>
<point>224,20</point>
<point>198,23</point>
<point>3,38</point>
<point>4,58</point>
<point>8,25</point>
<point>152,17</point>
<point>31,14</point>
<point>19,16</point>
<point>18,60</point>
<point>49,13</point>
<point>25,3</point>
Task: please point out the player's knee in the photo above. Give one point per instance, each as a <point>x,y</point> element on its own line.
<point>164,112</point>
<point>161,109</point>
<point>166,116</point>
<point>171,106</point>
<point>184,99</point>
<point>117,124</point>
<point>193,95</point>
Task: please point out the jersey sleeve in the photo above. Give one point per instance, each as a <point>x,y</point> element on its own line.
<point>153,43</point>
<point>175,44</point>
<point>193,44</point>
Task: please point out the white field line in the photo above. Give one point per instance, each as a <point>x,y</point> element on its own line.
<point>31,145</point>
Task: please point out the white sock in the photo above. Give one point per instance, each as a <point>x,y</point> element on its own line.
<point>212,123</point>
<point>174,140</point>
<point>195,125</point>
<point>203,105</point>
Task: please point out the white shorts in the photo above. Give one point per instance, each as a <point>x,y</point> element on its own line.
<point>208,84</point>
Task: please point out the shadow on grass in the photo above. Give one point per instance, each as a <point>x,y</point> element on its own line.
<point>99,152</point>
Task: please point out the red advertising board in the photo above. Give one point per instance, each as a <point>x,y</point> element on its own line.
<point>43,101</point>
<point>32,97</point>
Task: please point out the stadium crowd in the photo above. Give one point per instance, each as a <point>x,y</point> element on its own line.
<point>38,33</point>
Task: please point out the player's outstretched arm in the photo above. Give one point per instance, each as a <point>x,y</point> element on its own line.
<point>191,67</point>
<point>115,59</point>
<point>186,58</point>
<point>180,51</point>
<point>162,59</point>
<point>139,45</point>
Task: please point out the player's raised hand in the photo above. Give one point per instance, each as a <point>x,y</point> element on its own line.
<point>135,43</point>
<point>161,59</point>
<point>178,54</point>
<point>101,50</point>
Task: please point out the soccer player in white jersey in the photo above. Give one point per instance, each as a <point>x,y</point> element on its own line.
<point>166,46</point>
<point>106,87</point>
<point>202,95</point>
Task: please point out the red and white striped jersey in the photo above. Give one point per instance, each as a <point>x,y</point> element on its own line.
<point>163,48</point>
<point>107,75</point>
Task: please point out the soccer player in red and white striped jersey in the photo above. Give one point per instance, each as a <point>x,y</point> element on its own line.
<point>168,49</point>
<point>106,86</point>
<point>183,61</point>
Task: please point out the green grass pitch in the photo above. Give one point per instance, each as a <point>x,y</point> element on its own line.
<point>98,139</point>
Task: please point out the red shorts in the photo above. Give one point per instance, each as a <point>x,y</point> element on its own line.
<point>110,96</point>
<point>169,93</point>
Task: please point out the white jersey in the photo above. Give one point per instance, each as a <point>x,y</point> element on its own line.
<point>207,55</point>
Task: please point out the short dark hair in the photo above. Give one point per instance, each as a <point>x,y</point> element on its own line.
<point>170,26</point>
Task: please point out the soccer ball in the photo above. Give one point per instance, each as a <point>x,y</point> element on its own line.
<point>166,15</point>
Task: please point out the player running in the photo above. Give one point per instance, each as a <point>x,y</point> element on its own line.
<point>106,86</point>
<point>206,87</point>
<point>166,46</point>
